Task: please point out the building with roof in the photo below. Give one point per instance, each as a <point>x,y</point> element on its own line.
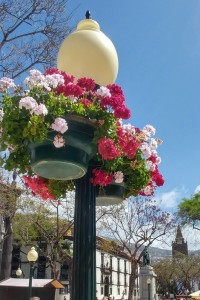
<point>179,246</point>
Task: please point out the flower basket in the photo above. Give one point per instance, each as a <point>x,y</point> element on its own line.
<point>110,194</point>
<point>71,161</point>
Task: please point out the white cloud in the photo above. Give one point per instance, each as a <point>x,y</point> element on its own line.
<point>197,189</point>
<point>170,200</point>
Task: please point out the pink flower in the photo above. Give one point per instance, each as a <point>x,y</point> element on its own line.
<point>59,125</point>
<point>59,141</point>
<point>69,89</point>
<point>115,89</point>
<point>40,110</point>
<point>118,177</point>
<point>101,177</point>
<point>28,103</point>
<point>103,92</point>
<point>148,190</point>
<point>6,83</point>
<point>107,149</point>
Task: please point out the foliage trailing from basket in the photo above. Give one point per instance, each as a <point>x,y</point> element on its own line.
<point>125,153</point>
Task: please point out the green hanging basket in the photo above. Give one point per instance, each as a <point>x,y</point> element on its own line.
<point>110,194</point>
<point>68,162</point>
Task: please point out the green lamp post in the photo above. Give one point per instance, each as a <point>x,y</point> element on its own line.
<point>87,52</point>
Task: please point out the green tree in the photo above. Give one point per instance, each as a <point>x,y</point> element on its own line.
<point>189,210</point>
<point>31,33</point>
<point>177,275</point>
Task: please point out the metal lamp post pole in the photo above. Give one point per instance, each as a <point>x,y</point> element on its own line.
<point>30,279</point>
<point>84,253</point>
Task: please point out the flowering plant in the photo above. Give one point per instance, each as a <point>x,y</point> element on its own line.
<point>124,152</point>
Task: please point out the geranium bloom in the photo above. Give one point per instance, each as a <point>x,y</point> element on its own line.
<point>39,187</point>
<point>86,83</point>
<point>115,89</point>
<point>59,141</point>
<point>148,190</point>
<point>101,177</point>
<point>107,149</point>
<point>157,177</point>
<point>40,110</point>
<point>85,102</point>
<point>54,80</point>
<point>118,177</point>
<point>122,112</point>
<point>28,103</point>
<point>59,125</point>
<point>69,89</point>
<point>5,84</point>
<point>103,92</point>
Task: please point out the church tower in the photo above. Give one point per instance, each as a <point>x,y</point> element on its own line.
<point>179,246</point>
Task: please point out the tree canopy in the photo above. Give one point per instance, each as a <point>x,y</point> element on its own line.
<point>31,33</point>
<point>189,210</point>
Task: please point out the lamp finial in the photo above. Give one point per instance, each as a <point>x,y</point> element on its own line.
<point>88,14</point>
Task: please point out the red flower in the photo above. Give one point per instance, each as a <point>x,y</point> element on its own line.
<point>157,177</point>
<point>122,112</point>
<point>86,83</point>
<point>115,89</point>
<point>69,90</point>
<point>107,149</point>
<point>39,187</point>
<point>127,142</point>
<point>85,102</point>
<point>100,177</point>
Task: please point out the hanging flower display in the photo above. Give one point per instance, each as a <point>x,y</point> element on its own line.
<point>41,116</point>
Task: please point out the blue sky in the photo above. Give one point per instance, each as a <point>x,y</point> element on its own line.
<point>158,45</point>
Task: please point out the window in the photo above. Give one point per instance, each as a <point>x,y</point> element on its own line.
<point>101,278</point>
<point>102,290</point>
<point>110,291</point>
<point>118,265</point>
<point>134,292</point>
<point>125,291</point>
<point>64,272</point>
<point>118,290</point>
<point>125,283</point>
<point>125,267</point>
<point>111,262</point>
<point>102,260</point>
<point>65,290</point>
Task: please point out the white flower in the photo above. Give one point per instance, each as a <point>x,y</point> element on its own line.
<point>129,128</point>
<point>37,79</point>
<point>150,129</point>
<point>73,99</point>
<point>54,80</point>
<point>40,110</point>
<point>6,83</point>
<point>103,92</point>
<point>150,165</point>
<point>59,125</point>
<point>58,141</point>
<point>1,115</point>
<point>28,102</point>
<point>118,177</point>
<point>146,151</point>
<point>153,143</point>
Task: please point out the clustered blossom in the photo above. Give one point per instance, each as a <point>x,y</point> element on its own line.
<point>31,104</point>
<point>48,82</point>
<point>58,141</point>
<point>5,84</point>
<point>124,153</point>
<point>59,125</point>
<point>39,187</point>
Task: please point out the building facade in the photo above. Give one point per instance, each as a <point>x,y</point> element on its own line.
<point>112,271</point>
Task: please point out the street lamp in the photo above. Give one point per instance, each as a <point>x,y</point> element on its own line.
<point>18,272</point>
<point>87,52</point>
<point>149,288</point>
<point>32,257</point>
